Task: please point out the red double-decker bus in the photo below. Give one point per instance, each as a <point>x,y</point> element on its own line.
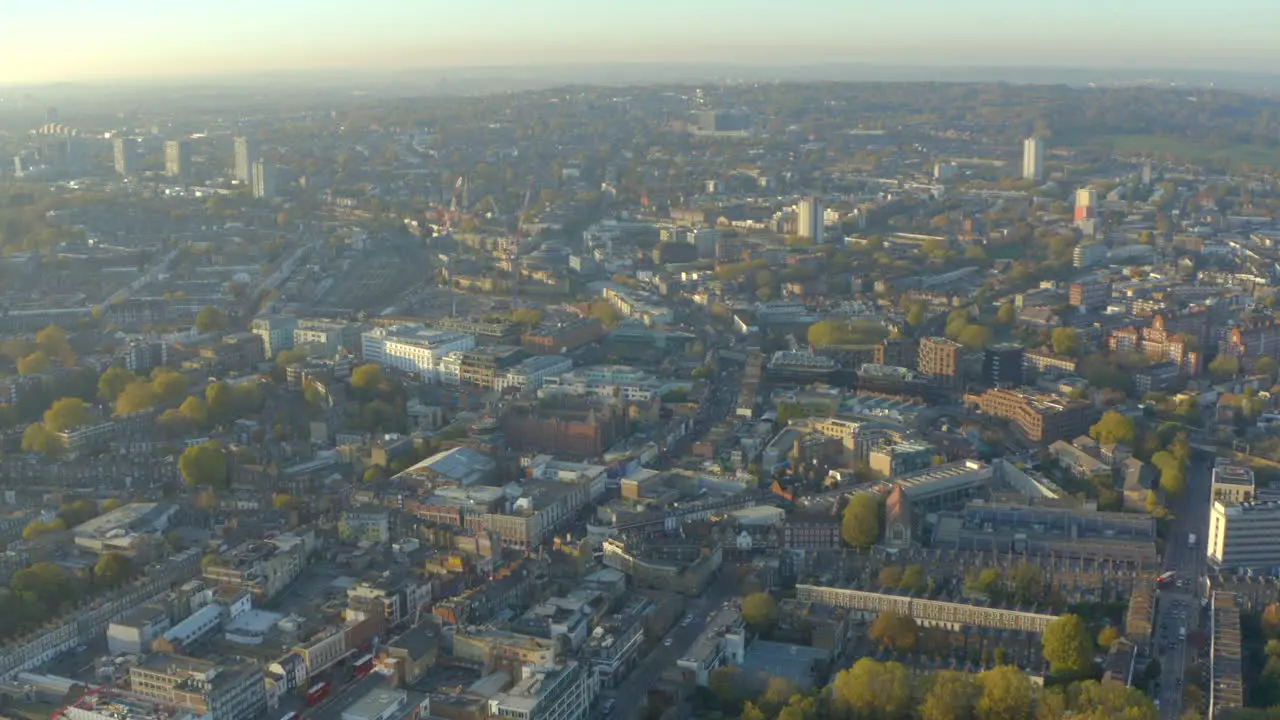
<point>363,666</point>
<point>316,693</point>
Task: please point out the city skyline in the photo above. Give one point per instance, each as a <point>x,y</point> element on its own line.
<point>147,39</point>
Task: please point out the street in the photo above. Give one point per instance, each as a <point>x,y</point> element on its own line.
<point>633,691</point>
<point>1180,605</point>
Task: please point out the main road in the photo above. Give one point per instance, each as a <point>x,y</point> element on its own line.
<point>630,696</point>
<point>1180,605</point>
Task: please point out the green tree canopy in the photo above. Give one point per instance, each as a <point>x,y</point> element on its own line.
<point>168,385</point>
<point>204,465</point>
<point>950,696</point>
<point>196,410</point>
<point>1108,636</point>
<point>367,378</point>
<point>39,439</point>
<point>1224,366</point>
<point>1068,646</point>
<point>113,569</point>
<point>1065,341</point>
<point>1006,695</point>
<point>66,413</point>
<point>52,341</point>
<point>220,401</point>
<point>34,364</point>
<point>893,631</point>
<point>1114,427</point>
<point>137,396</point>
<point>871,689</point>
<point>860,526</point>
<point>211,319</point>
<point>113,382</point>
<point>1007,314</point>
<point>1266,366</point>
<point>760,611</point>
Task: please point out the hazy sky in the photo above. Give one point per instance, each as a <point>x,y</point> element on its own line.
<point>51,40</point>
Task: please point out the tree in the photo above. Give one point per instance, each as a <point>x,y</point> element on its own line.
<point>777,692</point>
<point>196,410</point>
<point>52,341</point>
<point>951,696</point>
<point>1266,366</point>
<point>890,576</point>
<point>1006,695</point>
<point>860,526</point>
<point>1271,621</point>
<point>1028,584</point>
<point>871,689</point>
<point>605,313</point>
<point>246,398</point>
<point>891,630</point>
<point>211,319</point>
<point>915,314</point>
<point>1114,428</point>
<point>108,505</point>
<point>39,439</point>
<point>751,712</point>
<point>138,396</point>
<point>975,337</point>
<point>204,465</point>
<point>33,364</point>
<point>1068,646</point>
<point>292,356</point>
<point>914,580</point>
<point>168,386</point>
<point>760,611</point>
<point>1224,366</point>
<point>800,707</point>
<point>113,382</point>
<point>36,528</point>
<point>1065,341</point>
<point>77,512</point>
<point>220,402</point>
<point>720,682</point>
<point>1108,636</point>
<point>66,413</point>
<point>1007,314</point>
<point>113,569</point>
<point>367,378</point>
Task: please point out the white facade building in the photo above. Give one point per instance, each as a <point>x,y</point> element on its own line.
<point>1033,159</point>
<point>610,381</point>
<point>531,373</point>
<point>810,219</point>
<point>413,348</point>
<point>1244,535</point>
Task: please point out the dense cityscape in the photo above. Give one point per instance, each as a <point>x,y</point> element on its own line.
<point>743,400</point>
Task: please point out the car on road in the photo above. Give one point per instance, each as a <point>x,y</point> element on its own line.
<point>667,642</point>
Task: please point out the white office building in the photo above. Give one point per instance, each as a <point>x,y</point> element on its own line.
<point>554,693</point>
<point>413,348</point>
<point>1033,159</point>
<point>609,381</point>
<point>1244,535</point>
<point>810,219</point>
<point>531,373</point>
<point>246,155</point>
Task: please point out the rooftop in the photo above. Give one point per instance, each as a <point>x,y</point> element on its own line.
<point>461,465</point>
